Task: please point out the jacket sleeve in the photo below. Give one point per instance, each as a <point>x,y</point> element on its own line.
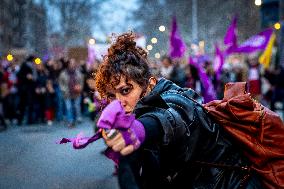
<point>168,127</point>
<point>153,129</point>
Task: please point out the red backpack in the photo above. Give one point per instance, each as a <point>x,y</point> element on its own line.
<point>258,131</point>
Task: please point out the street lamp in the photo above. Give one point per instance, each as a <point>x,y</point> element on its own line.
<point>157,55</point>
<point>154,40</point>
<point>92,41</point>
<point>10,57</point>
<point>162,28</point>
<point>257,2</point>
<point>149,47</point>
<point>277,25</point>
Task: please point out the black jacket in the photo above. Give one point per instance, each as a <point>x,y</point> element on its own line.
<point>183,147</point>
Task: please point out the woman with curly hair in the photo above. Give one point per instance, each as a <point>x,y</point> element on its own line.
<point>170,141</point>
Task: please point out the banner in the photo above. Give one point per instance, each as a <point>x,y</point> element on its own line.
<point>255,43</point>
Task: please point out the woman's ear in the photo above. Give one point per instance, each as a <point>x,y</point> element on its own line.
<point>152,83</point>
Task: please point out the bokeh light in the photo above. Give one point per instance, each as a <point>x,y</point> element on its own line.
<point>277,26</point>
<point>10,57</point>
<point>257,2</point>
<point>157,55</point>
<point>162,28</point>
<point>154,40</point>
<point>92,41</point>
<point>149,47</point>
<point>38,61</point>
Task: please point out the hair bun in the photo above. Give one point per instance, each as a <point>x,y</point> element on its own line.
<point>125,43</point>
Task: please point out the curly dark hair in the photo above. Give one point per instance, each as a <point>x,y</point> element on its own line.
<point>124,58</point>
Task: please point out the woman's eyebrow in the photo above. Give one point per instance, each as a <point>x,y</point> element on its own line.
<point>121,87</point>
<point>109,93</point>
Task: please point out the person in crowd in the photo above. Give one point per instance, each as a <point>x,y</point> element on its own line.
<point>55,68</point>
<point>254,76</point>
<point>170,135</point>
<point>50,102</point>
<point>208,66</point>
<point>192,79</point>
<point>40,92</point>
<point>173,70</point>
<point>277,94</point>
<point>71,83</point>
<point>26,87</point>
<point>224,78</point>
<point>178,75</point>
<point>11,100</point>
<point>167,67</point>
<point>3,94</point>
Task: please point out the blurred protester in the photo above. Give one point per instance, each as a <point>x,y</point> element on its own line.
<point>40,92</point>
<point>192,79</point>
<point>11,100</point>
<point>278,89</point>
<point>254,77</point>
<point>88,93</point>
<point>208,66</point>
<point>64,62</point>
<point>224,78</point>
<point>50,102</point>
<point>55,68</point>
<point>3,125</point>
<point>178,75</point>
<point>26,80</point>
<point>167,67</point>
<point>172,70</point>
<point>71,83</point>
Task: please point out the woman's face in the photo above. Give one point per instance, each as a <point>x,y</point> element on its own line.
<point>128,93</point>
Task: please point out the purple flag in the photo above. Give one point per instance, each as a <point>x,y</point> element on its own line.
<point>230,38</point>
<point>218,62</point>
<point>91,54</point>
<point>256,42</point>
<point>177,46</point>
<point>209,93</point>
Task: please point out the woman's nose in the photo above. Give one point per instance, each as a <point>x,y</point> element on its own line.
<point>122,100</point>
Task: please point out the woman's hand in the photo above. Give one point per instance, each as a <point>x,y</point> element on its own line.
<point>114,139</point>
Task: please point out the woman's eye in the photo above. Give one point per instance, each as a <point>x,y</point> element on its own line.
<point>110,97</point>
<point>125,91</point>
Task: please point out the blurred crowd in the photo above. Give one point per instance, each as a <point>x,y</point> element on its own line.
<point>55,90</point>
<point>265,85</point>
<point>63,90</point>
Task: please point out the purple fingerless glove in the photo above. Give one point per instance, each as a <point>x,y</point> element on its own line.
<point>134,135</point>
<point>114,117</point>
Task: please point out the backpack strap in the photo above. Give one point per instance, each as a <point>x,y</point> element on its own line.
<point>234,89</point>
